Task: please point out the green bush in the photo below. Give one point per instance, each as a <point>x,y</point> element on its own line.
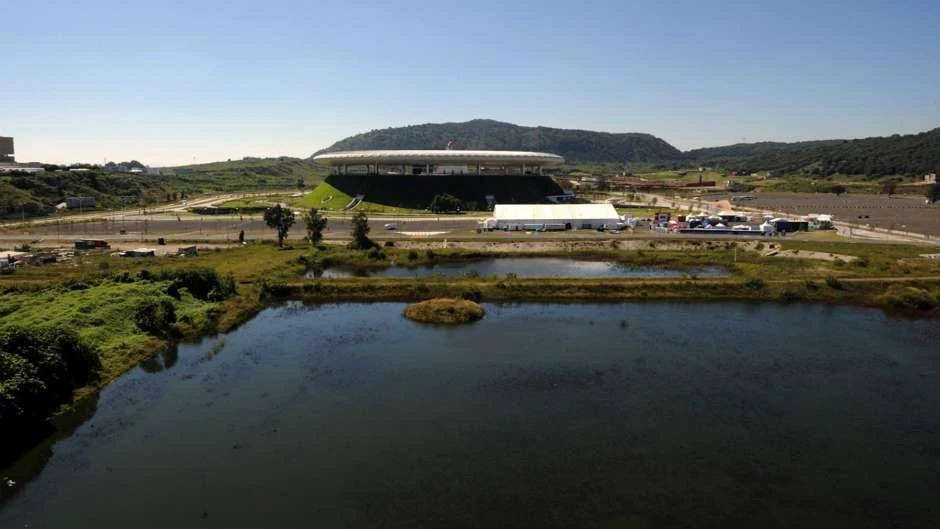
<point>790,295</point>
<point>833,283</point>
<point>907,298</point>
<point>202,282</point>
<point>755,283</point>
<point>39,369</point>
<point>473,294</point>
<point>156,316</point>
<point>445,203</point>
<point>277,289</point>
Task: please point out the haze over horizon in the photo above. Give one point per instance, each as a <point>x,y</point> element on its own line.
<point>205,81</point>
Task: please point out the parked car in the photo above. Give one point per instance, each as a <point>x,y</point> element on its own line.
<point>391,226</point>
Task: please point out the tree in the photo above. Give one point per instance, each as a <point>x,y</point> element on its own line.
<point>838,189</point>
<point>280,219</point>
<point>360,232</point>
<point>889,187</point>
<point>316,223</point>
<point>445,203</point>
<point>933,193</point>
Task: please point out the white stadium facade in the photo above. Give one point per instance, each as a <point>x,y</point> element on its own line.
<point>428,162</point>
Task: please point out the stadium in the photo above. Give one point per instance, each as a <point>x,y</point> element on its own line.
<point>412,178</point>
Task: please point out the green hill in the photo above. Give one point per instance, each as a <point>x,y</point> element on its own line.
<point>574,145</point>
<point>37,194</point>
<point>904,155</point>
<point>245,174</point>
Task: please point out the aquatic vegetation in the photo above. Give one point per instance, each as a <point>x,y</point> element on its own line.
<point>445,310</point>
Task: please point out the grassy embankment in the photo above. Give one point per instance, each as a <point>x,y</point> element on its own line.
<point>327,197</point>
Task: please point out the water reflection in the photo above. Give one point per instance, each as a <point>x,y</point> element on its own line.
<point>521,267</point>
<point>599,415</point>
<point>165,359</point>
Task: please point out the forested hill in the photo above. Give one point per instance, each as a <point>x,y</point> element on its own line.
<point>911,155</point>
<point>574,145</point>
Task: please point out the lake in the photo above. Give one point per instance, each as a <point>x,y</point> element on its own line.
<point>540,415</point>
<point>522,267</point>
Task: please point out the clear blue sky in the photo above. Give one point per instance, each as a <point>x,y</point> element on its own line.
<point>178,81</point>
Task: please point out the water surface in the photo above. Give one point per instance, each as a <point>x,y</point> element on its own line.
<point>619,415</point>
<point>522,267</point>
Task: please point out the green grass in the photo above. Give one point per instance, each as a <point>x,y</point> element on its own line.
<point>254,202</point>
<point>102,315</point>
<point>320,198</point>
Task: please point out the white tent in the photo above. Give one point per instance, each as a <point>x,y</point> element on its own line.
<point>571,216</point>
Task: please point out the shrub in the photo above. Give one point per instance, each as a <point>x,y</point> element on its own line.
<point>862,262</point>
<point>833,283</point>
<point>445,203</point>
<point>907,298</point>
<point>421,290</point>
<point>202,282</point>
<point>472,294</point>
<point>39,369</point>
<point>155,316</point>
<point>412,255</point>
<point>790,295</point>
<point>277,289</point>
<point>810,286</point>
<point>755,283</point>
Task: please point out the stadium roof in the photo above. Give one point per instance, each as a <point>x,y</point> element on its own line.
<point>555,212</point>
<point>437,157</point>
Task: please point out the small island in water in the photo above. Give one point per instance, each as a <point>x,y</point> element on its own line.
<point>445,310</point>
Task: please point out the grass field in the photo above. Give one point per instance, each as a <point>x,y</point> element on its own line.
<point>324,196</point>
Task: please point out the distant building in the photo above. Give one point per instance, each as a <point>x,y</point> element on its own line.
<point>6,149</point>
<point>80,202</point>
<point>21,169</point>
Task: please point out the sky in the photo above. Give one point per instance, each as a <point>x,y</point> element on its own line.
<point>176,82</point>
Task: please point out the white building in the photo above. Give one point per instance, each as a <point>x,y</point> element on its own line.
<point>553,217</point>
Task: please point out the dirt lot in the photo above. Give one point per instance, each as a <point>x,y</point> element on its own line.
<point>902,213</point>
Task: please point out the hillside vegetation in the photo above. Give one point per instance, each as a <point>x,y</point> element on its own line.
<point>908,155</point>
<point>574,145</point>
<point>247,174</point>
<point>897,155</point>
<point>35,194</point>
